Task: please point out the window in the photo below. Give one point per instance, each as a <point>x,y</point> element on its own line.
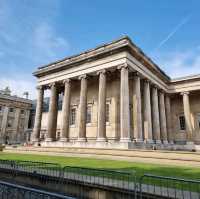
<point>89,114</point>
<point>198,120</point>
<point>22,112</point>
<point>58,135</point>
<point>107,112</point>
<point>10,122</point>
<point>73,116</point>
<point>22,123</point>
<point>182,122</point>
<point>11,110</point>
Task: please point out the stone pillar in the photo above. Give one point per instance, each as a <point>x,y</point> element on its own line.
<point>124,105</point>
<point>17,137</point>
<point>137,113</point>
<point>163,121</point>
<point>155,116</point>
<point>26,123</point>
<point>82,110</point>
<point>38,115</point>
<point>4,124</point>
<point>53,113</point>
<point>169,116</point>
<point>66,111</point>
<point>101,133</point>
<point>147,113</point>
<point>187,113</point>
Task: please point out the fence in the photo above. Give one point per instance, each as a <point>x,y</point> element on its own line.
<point>147,186</point>
<point>13,191</point>
<point>152,186</point>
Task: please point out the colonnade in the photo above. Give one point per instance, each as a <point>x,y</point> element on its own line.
<point>151,115</point>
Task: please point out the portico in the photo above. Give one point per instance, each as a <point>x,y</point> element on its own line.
<point>112,96</point>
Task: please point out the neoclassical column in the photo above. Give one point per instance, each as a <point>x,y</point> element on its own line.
<point>82,109</point>
<point>101,130</point>
<point>147,113</point>
<point>163,121</point>
<point>38,114</point>
<point>137,113</point>
<point>4,122</point>
<point>169,117</point>
<point>155,115</point>
<point>53,113</point>
<point>66,111</point>
<point>124,105</point>
<point>17,136</point>
<point>187,113</point>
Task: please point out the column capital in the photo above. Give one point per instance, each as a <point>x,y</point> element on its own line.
<point>185,93</point>
<point>66,81</point>
<point>147,81</point>
<point>167,95</point>
<point>161,91</point>
<point>39,87</point>
<point>154,86</point>
<point>101,71</point>
<point>53,84</point>
<point>83,77</point>
<point>125,65</point>
<point>136,74</point>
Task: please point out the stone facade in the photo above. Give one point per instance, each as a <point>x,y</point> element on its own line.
<point>14,118</point>
<point>114,96</point>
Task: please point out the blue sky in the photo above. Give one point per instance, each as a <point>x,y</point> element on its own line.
<point>33,33</point>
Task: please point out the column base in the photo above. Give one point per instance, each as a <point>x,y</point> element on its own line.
<point>165,141</point>
<point>64,139</point>
<point>149,141</point>
<point>81,140</point>
<point>138,140</point>
<point>49,140</point>
<point>125,140</point>
<point>101,139</point>
<point>35,140</point>
<point>171,142</point>
<point>158,142</point>
<point>190,143</point>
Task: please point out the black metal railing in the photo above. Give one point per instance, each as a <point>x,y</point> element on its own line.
<point>153,186</point>
<point>13,191</point>
<point>50,169</point>
<point>123,180</point>
<point>146,186</point>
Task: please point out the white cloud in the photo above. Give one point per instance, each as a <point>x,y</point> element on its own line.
<point>179,63</point>
<point>28,42</point>
<point>19,85</point>
<point>48,43</point>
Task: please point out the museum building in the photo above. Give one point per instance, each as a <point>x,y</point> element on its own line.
<point>14,118</point>
<point>114,96</point>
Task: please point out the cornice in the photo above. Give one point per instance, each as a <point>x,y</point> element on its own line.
<point>16,99</point>
<point>122,44</point>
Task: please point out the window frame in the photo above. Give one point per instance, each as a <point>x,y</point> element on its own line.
<point>180,125</point>
<point>11,108</point>
<point>74,118</point>
<point>107,113</point>
<point>90,121</point>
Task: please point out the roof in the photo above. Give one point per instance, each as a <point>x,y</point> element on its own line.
<point>88,55</point>
<point>15,98</point>
<point>185,78</point>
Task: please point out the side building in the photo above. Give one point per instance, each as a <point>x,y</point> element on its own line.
<point>14,118</point>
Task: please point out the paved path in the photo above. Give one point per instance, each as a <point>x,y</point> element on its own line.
<point>191,159</point>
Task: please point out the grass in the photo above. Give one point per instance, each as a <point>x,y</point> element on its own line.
<point>140,168</point>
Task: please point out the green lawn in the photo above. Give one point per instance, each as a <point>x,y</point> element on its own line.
<point>140,168</point>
